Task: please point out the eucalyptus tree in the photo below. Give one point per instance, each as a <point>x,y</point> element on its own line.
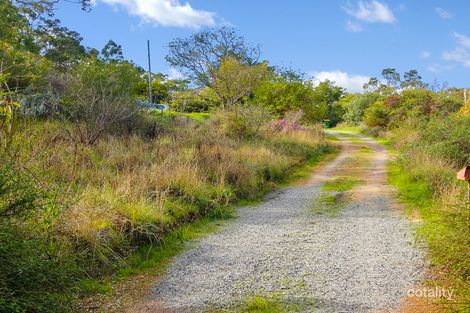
<point>200,55</point>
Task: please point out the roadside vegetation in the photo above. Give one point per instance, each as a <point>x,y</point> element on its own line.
<point>428,128</point>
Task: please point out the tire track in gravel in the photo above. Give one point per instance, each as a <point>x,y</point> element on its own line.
<point>362,260</point>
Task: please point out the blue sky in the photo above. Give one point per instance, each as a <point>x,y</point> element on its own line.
<point>345,41</point>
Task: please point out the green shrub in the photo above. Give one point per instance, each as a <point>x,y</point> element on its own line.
<point>356,105</point>
<point>376,115</point>
<point>32,279</point>
<point>431,153</point>
<point>198,100</point>
<point>35,270</point>
<point>448,138</point>
<point>243,121</point>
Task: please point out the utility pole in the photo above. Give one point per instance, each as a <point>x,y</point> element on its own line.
<point>465,96</point>
<point>150,73</point>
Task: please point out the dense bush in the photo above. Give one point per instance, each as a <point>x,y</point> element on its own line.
<point>242,121</point>
<point>98,96</point>
<point>199,100</point>
<point>283,96</point>
<point>354,106</point>
<point>431,151</point>
<point>393,110</point>
<point>34,274</point>
<point>448,138</point>
<point>33,278</point>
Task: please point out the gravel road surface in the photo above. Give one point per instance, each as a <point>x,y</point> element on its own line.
<point>363,259</point>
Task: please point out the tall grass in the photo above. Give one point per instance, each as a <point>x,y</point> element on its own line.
<point>130,190</point>
<point>424,173</point>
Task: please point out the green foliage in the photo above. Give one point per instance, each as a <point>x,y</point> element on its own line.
<point>445,227</point>
<point>38,102</point>
<point>327,94</point>
<point>342,183</point>
<point>392,77</point>
<point>200,55</point>
<point>92,286</point>
<point>281,96</point>
<point>18,194</point>
<point>376,115</point>
<point>373,85</point>
<point>59,44</point>
<point>100,95</point>
<point>31,278</point>
<point>329,204</point>
<point>198,100</point>
<point>14,28</point>
<point>233,80</point>
<point>34,274</point>
<point>284,96</point>
<point>164,90</point>
<point>431,151</point>
<point>412,79</point>
<point>258,304</point>
<point>354,106</point>
<point>242,121</point>
<point>112,52</point>
<point>446,138</point>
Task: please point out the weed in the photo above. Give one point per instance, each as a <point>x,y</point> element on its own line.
<point>94,286</point>
<point>329,204</point>
<point>341,183</point>
<point>272,303</point>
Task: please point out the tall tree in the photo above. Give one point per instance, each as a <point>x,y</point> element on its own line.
<point>392,77</point>
<point>59,44</point>
<point>412,79</point>
<point>326,95</point>
<point>373,85</point>
<point>33,9</point>
<point>200,55</point>
<point>112,52</point>
<point>235,80</point>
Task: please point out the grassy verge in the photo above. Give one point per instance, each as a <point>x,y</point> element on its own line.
<point>111,214</point>
<point>428,155</point>
<point>445,231</point>
<point>131,281</point>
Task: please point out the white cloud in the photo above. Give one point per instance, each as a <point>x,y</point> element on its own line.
<point>170,13</point>
<point>438,68</point>
<point>425,55</point>
<point>353,27</point>
<point>459,55</point>
<point>353,83</point>
<point>462,40</point>
<point>443,13</point>
<point>372,12</point>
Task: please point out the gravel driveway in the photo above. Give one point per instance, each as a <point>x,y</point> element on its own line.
<point>363,259</point>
